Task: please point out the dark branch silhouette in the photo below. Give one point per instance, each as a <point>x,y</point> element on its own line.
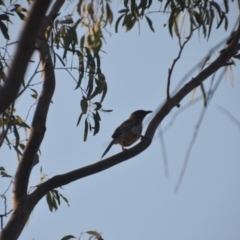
<point>77,174</point>
<point>24,203</point>
<point>22,54</point>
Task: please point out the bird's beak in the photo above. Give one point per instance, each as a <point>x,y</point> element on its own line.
<point>147,112</point>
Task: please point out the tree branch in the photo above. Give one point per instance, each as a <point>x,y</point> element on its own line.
<point>39,120</point>
<point>22,204</point>
<point>23,53</point>
<point>196,131</point>
<point>25,203</point>
<point>77,174</point>
<point>181,47</point>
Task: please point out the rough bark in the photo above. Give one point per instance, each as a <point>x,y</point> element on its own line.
<point>23,52</point>
<point>69,177</point>
<point>23,204</point>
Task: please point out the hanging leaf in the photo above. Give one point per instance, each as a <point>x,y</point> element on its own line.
<point>16,134</point>
<point>81,68</point>
<point>226,23</point>
<point>125,3</point>
<point>21,15</point>
<point>130,24</point>
<point>79,119</point>
<point>85,130</point>
<point>104,92</point>
<point>35,93</point>
<point>60,59</point>
<point>98,116</point>
<point>212,15</point>
<point>64,199</point>
<point>49,201</point>
<point>95,234</point>
<point>226,6</point>
<point>4,17</point>
<point>172,19</point>
<point>90,86</point>
<point>149,21</point>
<point>68,237</point>
<point>123,10</point>
<point>77,23</point>
<point>117,22</point>
<point>106,110</point>
<point>4,30</point>
<point>98,106</point>
<point>109,13</point>
<point>221,20</point>
<point>96,124</point>
<point>167,3</point>
<point>84,105</point>
<point>4,173</point>
<point>204,95</point>
<point>197,17</point>
<point>96,91</point>
<point>217,7</point>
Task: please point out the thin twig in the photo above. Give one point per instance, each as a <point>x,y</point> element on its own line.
<point>195,134</point>
<point>5,206</point>
<point>4,215</point>
<point>29,81</point>
<point>164,153</point>
<point>181,46</point>
<point>229,115</point>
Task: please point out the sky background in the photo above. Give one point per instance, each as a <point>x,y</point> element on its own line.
<point>135,200</point>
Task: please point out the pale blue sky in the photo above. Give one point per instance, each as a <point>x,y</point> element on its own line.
<point>135,200</point>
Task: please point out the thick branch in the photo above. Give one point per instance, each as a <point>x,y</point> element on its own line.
<point>64,179</point>
<point>23,205</point>
<point>38,128</point>
<point>39,120</point>
<point>181,47</point>
<point>23,53</point>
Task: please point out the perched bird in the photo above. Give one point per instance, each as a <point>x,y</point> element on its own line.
<point>129,131</point>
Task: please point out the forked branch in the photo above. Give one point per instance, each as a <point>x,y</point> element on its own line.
<point>69,177</point>
<point>22,54</point>
<point>22,204</point>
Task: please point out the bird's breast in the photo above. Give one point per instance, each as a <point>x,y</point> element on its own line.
<point>129,137</point>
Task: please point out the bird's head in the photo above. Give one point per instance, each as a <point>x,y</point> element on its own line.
<point>139,115</point>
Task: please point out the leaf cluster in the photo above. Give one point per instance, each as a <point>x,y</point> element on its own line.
<point>132,13</point>
<point>4,173</point>
<point>201,14</point>
<point>12,124</point>
<point>94,235</point>
<point>5,16</point>
<point>54,199</point>
<point>64,35</point>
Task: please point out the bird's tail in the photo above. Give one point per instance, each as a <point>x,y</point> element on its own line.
<point>108,148</point>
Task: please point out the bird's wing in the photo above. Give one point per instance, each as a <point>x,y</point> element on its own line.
<point>125,127</point>
<point>108,148</point>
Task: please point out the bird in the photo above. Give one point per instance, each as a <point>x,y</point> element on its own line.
<point>129,131</point>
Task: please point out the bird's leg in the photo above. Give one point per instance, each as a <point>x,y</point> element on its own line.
<point>123,149</point>
<point>143,137</point>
